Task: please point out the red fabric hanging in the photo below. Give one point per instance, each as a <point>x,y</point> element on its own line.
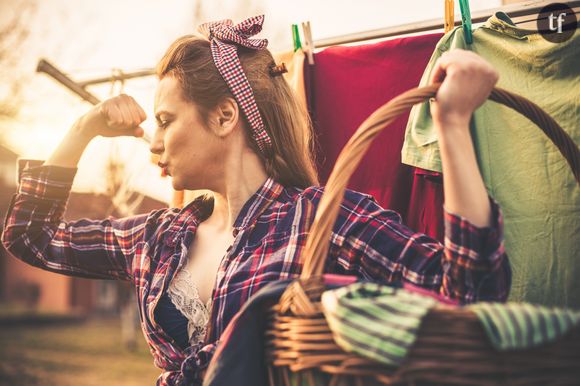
<point>343,87</point>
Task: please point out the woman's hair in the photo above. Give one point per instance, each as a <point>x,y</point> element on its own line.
<point>291,161</point>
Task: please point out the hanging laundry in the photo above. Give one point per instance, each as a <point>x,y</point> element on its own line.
<point>343,88</point>
<point>521,168</point>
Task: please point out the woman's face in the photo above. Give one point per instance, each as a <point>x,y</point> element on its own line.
<point>189,151</point>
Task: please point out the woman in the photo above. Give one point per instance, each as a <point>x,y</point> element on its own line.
<point>229,123</point>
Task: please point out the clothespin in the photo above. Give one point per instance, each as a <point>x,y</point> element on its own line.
<point>308,46</point>
<point>466,20</point>
<point>296,37</point>
<point>449,15</point>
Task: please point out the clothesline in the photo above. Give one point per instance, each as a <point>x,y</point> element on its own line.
<point>514,11</point>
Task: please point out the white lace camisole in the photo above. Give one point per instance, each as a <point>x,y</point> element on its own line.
<point>184,294</point>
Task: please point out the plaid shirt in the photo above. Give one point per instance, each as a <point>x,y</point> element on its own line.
<point>270,233</point>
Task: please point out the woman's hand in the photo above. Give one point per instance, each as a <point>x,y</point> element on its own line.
<point>467,82</point>
<point>114,117</point>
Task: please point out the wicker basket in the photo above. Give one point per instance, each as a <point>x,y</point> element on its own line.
<point>451,346</point>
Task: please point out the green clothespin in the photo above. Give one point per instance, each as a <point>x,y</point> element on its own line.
<point>466,20</point>
<point>296,37</point>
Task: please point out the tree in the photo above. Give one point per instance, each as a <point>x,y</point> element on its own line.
<point>12,35</point>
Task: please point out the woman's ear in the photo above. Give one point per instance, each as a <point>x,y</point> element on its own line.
<point>225,117</point>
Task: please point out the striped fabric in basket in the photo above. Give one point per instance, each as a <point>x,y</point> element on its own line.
<point>381,322</point>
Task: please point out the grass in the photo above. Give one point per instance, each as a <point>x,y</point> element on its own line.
<point>80,354</point>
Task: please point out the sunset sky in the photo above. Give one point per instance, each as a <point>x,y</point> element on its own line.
<point>86,39</point>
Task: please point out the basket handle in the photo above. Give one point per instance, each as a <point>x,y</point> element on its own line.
<point>317,244</point>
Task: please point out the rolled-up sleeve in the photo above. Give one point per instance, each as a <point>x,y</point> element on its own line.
<point>475,262</point>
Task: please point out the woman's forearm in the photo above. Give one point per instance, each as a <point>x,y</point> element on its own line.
<point>466,82</point>
<point>463,187</point>
<point>70,149</point>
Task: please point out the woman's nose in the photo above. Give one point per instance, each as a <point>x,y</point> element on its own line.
<point>156,146</point>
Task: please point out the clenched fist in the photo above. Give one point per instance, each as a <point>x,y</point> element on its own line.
<point>114,117</point>
<point>467,82</point>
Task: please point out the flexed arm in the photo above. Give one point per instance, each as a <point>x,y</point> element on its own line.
<point>34,229</point>
<point>471,265</point>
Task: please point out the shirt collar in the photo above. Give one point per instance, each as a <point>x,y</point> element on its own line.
<point>502,23</point>
<point>257,203</point>
<point>200,208</point>
<point>189,216</point>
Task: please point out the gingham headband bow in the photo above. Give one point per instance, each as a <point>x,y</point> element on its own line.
<point>224,38</point>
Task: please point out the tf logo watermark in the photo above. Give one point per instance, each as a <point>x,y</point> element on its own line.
<point>557,22</point>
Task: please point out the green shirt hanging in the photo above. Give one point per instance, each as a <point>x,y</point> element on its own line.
<point>521,168</point>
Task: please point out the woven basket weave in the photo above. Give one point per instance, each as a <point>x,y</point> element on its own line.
<point>451,346</point>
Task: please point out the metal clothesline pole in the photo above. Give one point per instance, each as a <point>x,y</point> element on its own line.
<point>121,76</point>
<point>59,76</point>
<point>78,87</point>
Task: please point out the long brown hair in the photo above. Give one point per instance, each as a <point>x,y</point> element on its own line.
<point>287,122</point>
